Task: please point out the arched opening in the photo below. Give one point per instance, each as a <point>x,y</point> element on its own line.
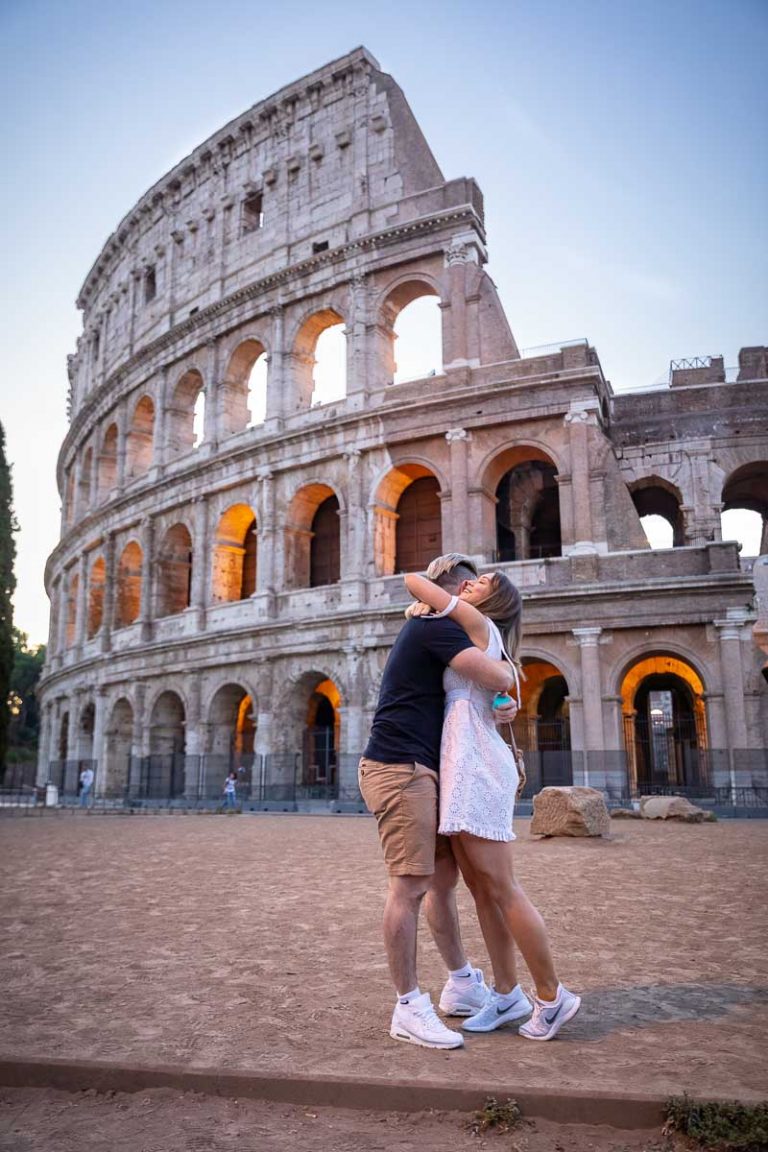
<point>658,505</point>
<point>86,471</point>
<point>395,546</point>
<point>198,420</point>
<point>413,315</point>
<point>117,748</point>
<point>232,728</point>
<point>243,395</point>
<point>307,562</point>
<point>543,726</point>
<point>73,587</point>
<point>528,512</point>
<point>325,545</point>
<point>139,442</point>
<point>164,773</point>
<point>665,728</point>
<point>174,583</point>
<point>234,555</point>
<point>128,601</point>
<point>108,463</point>
<point>320,360</point>
<point>184,415</point>
<point>69,496</point>
<point>96,583</point>
<point>85,734</point>
<point>745,508</point>
<point>321,740</point>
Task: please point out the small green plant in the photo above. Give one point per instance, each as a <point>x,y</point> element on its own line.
<point>722,1127</point>
<point>502,1117</point>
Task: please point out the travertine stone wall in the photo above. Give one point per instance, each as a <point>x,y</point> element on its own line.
<point>324,205</point>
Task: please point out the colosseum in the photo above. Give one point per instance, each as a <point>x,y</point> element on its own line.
<point>227,583</point>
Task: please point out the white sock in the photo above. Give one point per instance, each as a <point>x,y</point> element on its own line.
<point>505,999</point>
<point>408,996</point>
<point>461,973</point>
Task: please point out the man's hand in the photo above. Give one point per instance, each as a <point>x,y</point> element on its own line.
<point>418,608</point>
<point>506,713</point>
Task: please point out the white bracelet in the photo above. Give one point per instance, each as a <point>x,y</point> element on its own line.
<point>448,608</point>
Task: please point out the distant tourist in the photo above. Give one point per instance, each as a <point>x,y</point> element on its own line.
<point>86,784</point>
<point>230,792</point>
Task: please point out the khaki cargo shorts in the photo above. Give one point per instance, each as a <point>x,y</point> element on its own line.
<point>403,798</point>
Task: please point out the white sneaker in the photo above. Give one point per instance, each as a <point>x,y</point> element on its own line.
<point>550,1015</point>
<point>496,1012</point>
<point>464,995</point>
<point>417,1023</point>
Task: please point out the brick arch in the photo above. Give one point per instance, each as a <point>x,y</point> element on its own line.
<point>305,535</point>
<point>407,528</point>
<point>174,570</point>
<point>235,554</point>
<point>181,411</point>
<point>303,345</point>
<point>233,393</point>
<point>107,463</point>
<point>129,584</point>
<point>140,439</point>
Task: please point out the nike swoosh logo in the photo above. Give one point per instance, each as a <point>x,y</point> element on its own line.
<point>551,1019</point>
<point>501,1011</point>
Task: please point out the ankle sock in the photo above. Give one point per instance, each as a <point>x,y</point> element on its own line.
<point>408,996</point>
<point>461,973</point>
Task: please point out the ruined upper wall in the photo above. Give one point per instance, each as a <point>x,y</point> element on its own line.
<point>328,160</point>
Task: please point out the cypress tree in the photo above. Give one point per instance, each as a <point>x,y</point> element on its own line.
<point>7,585</point>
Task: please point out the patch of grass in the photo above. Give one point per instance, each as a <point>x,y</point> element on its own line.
<point>501,1117</point>
<point>726,1127</point>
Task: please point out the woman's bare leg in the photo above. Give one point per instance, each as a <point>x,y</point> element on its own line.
<point>493,925</point>
<point>490,864</point>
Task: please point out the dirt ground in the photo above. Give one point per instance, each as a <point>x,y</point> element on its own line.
<point>253,942</point>
<point>163,1121</point>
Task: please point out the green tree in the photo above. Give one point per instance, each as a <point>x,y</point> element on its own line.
<point>28,663</point>
<point>8,527</point>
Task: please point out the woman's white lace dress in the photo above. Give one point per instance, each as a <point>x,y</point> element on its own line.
<point>478,774</point>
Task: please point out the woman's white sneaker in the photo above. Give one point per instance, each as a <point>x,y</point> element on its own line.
<point>464,995</point>
<point>417,1023</point>
<point>499,1010</point>
<point>550,1015</point>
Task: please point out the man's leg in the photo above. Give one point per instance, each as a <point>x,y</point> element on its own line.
<point>401,918</point>
<point>442,913</point>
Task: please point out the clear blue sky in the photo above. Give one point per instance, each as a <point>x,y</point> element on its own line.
<point>620,144</point>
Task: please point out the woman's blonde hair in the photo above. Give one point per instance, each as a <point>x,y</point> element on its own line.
<point>504,605</point>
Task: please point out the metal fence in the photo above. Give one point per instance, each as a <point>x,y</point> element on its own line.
<point>281,781</point>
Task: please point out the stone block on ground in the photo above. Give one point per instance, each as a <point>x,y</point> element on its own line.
<point>625,814</point>
<point>672,808</point>
<point>571,811</point>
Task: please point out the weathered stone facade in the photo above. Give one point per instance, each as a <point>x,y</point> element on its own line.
<point>208,598</point>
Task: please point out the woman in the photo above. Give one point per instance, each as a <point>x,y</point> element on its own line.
<point>478,781</point>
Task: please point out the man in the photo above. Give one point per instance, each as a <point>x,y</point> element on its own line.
<point>398,777</point>
<point>86,783</point>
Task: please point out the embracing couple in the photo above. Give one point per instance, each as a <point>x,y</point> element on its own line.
<point>441,783</point>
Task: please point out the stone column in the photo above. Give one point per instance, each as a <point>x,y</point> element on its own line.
<point>577,425</point>
<point>211,433</point>
<point>44,747</point>
<point>462,259</point>
<point>61,617</point>
<point>108,607</point>
<point>82,601</point>
<point>146,612</point>
<point>122,446</point>
<point>352,735</point>
<point>458,439</point>
<point>262,745</point>
<point>355,537</point>
<point>99,706</point>
<point>591,693</point>
<point>732,673</point>
<point>266,540</point>
<point>201,560</point>
<point>160,431</point>
<point>356,331</point>
<point>193,738</point>
<point>277,385</point>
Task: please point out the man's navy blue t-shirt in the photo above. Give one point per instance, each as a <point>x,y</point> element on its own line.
<point>409,718</point>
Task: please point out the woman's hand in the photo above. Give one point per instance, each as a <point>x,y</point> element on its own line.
<point>506,713</point>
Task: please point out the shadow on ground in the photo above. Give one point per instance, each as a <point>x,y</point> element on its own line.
<point>643,1007</point>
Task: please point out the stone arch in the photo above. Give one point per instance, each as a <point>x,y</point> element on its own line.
<point>657,497</point>
<point>166,771</point>
<point>542,727</point>
<point>140,439</point>
<point>407,533</point>
<point>128,598</point>
<point>305,346</point>
<point>174,580</point>
<point>107,470</point>
<point>302,562</point>
<point>86,725</point>
<point>118,747</point>
<point>235,554</point>
<point>232,719</point>
<point>746,490</point>
<point>86,472</point>
<point>400,352</point>
<point>316,696</point>
<point>97,579</point>
<point>240,405</point>
<point>181,413</point>
<point>523,479</point>
<point>665,721</point>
